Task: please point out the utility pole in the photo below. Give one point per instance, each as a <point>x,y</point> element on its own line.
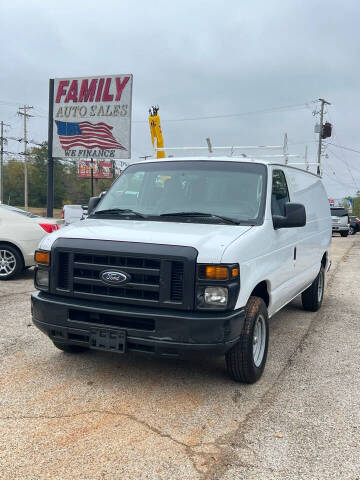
<point>323,103</point>
<point>26,115</point>
<point>2,160</point>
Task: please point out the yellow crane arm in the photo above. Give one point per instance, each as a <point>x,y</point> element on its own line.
<point>156,132</point>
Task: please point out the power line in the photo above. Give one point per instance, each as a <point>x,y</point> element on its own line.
<point>344,148</point>
<point>347,185</point>
<point>213,116</point>
<point>231,115</point>
<point>347,166</point>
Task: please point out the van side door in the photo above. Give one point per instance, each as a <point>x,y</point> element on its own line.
<point>284,242</point>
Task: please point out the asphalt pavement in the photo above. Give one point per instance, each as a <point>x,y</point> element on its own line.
<point>105,416</point>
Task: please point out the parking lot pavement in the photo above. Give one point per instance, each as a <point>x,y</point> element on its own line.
<point>105,416</point>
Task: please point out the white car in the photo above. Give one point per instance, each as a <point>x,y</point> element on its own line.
<point>73,213</point>
<point>197,261</point>
<point>340,221</point>
<point>20,234</point>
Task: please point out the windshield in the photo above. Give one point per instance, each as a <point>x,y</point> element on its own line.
<point>18,210</point>
<point>338,212</point>
<point>233,190</point>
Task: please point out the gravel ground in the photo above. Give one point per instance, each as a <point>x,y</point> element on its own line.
<point>104,416</point>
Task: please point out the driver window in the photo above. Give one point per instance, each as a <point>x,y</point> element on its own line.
<point>279,193</point>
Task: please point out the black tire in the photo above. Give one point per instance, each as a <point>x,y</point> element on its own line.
<point>352,231</point>
<point>240,363</point>
<point>312,297</point>
<point>16,265</point>
<point>70,348</point>
<point>344,234</point>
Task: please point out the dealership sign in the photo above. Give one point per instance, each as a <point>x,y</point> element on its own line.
<point>101,169</point>
<point>92,117</point>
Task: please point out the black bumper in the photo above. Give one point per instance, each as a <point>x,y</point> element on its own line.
<point>163,332</point>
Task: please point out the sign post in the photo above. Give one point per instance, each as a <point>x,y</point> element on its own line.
<point>50,184</point>
<point>92,177</point>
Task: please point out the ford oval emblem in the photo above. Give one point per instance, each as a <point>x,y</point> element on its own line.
<point>114,277</point>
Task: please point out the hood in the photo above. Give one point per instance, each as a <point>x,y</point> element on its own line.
<point>208,239</point>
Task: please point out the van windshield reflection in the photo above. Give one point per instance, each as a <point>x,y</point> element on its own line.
<point>189,191</point>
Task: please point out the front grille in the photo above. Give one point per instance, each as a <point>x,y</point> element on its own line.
<point>144,274</point>
<point>177,281</point>
<point>63,272</point>
<point>154,280</point>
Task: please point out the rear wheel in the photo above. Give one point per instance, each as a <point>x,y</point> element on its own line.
<point>70,348</point>
<point>11,262</point>
<point>313,296</point>
<point>344,234</point>
<point>246,360</point>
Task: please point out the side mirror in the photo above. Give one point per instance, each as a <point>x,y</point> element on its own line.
<point>295,216</point>
<point>93,203</point>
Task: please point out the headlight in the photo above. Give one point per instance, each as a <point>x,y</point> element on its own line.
<point>216,296</point>
<point>42,278</point>
<point>42,261</point>
<point>217,286</point>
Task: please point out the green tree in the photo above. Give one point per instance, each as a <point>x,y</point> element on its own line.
<point>356,210</point>
<point>14,182</point>
<point>68,187</point>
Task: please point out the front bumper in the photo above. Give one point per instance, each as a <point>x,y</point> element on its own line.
<point>163,332</point>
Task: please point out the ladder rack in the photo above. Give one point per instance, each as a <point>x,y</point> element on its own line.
<point>238,151</point>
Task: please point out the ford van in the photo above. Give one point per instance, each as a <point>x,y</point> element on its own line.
<point>187,254</point>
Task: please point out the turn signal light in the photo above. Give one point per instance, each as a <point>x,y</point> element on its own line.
<point>235,272</point>
<point>216,273</point>
<point>42,257</point>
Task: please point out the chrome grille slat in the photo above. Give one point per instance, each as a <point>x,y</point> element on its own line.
<point>142,286</point>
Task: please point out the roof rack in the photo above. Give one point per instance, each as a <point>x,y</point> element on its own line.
<point>238,151</point>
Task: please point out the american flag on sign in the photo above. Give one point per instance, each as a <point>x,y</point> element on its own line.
<point>86,134</point>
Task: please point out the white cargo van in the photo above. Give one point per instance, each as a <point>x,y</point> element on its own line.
<point>187,254</point>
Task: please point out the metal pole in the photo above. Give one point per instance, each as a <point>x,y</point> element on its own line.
<point>285,149</point>
<point>306,158</point>
<point>92,177</point>
<point>25,163</point>
<point>26,116</point>
<point>323,102</point>
<point>50,183</point>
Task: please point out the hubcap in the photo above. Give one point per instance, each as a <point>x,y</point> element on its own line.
<point>7,263</point>
<point>259,340</point>
<point>320,286</point>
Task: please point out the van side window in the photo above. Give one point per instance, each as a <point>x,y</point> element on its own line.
<point>279,193</point>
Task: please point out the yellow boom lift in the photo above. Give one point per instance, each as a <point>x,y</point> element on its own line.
<point>156,132</point>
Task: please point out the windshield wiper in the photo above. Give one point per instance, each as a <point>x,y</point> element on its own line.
<point>200,214</point>
<point>120,211</point>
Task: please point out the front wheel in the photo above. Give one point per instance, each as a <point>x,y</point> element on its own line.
<point>245,362</point>
<point>11,262</point>
<point>313,296</point>
<point>352,231</point>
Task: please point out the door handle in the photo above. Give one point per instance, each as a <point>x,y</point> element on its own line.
<point>295,251</point>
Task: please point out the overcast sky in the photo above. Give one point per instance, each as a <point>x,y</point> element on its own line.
<point>193,59</point>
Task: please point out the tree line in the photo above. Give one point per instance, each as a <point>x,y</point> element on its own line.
<point>68,187</point>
